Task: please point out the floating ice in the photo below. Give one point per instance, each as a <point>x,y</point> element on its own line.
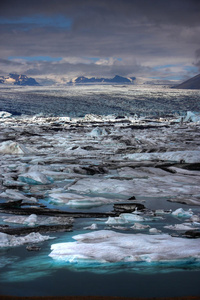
<point>92,227</point>
<point>184,226</point>
<point>124,219</point>
<point>16,195</point>
<point>10,147</point>
<point>139,226</point>
<point>182,213</point>
<point>109,246</point>
<point>37,220</point>
<point>7,240</point>
<point>154,231</point>
<point>35,177</point>
<point>75,200</point>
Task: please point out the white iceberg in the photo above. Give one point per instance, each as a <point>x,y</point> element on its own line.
<point>5,114</point>
<point>10,147</point>
<point>92,227</point>
<point>7,240</point>
<point>96,132</point>
<point>138,226</point>
<point>124,218</point>
<point>184,226</point>
<point>35,177</point>
<point>109,246</point>
<point>181,213</point>
<point>75,200</point>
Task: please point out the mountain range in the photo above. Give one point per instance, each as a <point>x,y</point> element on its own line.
<point>17,79</point>
<point>117,79</point>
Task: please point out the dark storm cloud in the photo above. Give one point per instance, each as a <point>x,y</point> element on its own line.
<point>142,33</point>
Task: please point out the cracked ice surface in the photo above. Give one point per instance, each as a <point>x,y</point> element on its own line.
<point>109,246</point>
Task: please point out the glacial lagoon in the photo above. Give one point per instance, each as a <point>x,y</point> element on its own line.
<point>101,203</point>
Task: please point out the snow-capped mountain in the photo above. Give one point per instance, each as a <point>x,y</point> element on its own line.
<point>17,79</point>
<point>117,79</point>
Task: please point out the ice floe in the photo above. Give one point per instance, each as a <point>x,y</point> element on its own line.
<point>125,218</point>
<point>175,156</point>
<point>184,226</point>
<point>109,246</point>
<point>35,177</point>
<point>181,213</point>
<point>7,240</point>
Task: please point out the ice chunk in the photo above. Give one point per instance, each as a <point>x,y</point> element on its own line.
<point>92,227</point>
<point>75,200</point>
<point>109,246</point>
<point>7,240</point>
<point>35,177</point>
<point>5,114</point>
<point>31,220</point>
<point>16,195</point>
<point>181,213</point>
<point>10,147</point>
<point>154,231</point>
<point>96,132</point>
<point>191,117</point>
<point>124,219</point>
<point>139,226</point>
<point>184,226</point>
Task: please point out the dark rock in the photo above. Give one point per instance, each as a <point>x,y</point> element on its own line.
<point>132,198</point>
<point>33,248</point>
<point>40,229</point>
<point>128,207</point>
<point>192,83</point>
<point>11,204</point>
<point>192,234</point>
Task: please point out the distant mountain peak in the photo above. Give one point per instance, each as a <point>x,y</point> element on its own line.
<point>191,84</point>
<point>18,79</point>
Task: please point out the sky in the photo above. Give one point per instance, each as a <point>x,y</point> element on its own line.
<point>62,39</point>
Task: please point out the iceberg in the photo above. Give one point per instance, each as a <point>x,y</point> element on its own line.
<point>124,219</point>
<point>106,246</point>
<point>35,177</point>
<point>184,226</point>
<point>181,213</point>
<point>10,147</point>
<point>5,114</point>
<point>7,240</point>
<point>75,200</point>
<point>96,132</point>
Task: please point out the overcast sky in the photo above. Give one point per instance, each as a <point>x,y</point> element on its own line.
<point>68,38</point>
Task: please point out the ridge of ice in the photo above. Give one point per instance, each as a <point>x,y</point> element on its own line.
<point>188,156</point>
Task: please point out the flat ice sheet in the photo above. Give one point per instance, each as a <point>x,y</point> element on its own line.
<point>109,246</point>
